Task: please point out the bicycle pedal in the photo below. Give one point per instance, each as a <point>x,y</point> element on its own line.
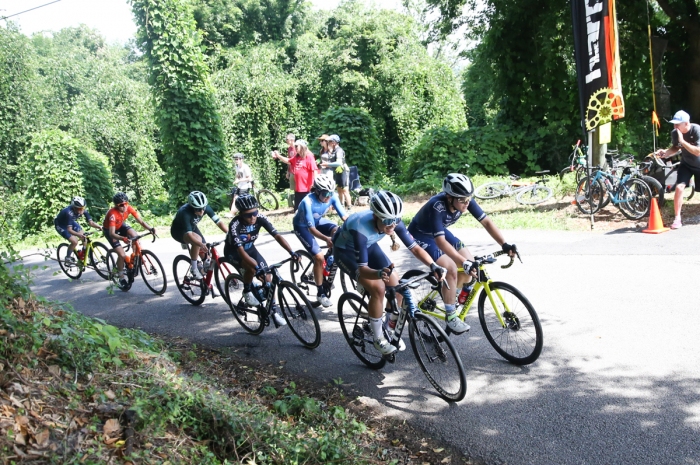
<point>391,358</point>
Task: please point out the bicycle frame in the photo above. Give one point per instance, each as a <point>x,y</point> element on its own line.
<point>133,265</point>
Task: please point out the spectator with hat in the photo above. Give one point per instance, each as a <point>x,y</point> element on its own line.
<point>324,154</point>
<point>685,138</point>
<point>303,167</point>
<point>340,168</point>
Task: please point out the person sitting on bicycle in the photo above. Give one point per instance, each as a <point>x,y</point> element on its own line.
<point>67,226</point>
<point>309,223</point>
<point>429,227</point>
<point>184,227</point>
<point>116,229</point>
<point>240,250</point>
<point>244,178</point>
<point>357,252</point>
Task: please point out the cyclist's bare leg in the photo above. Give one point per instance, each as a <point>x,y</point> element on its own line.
<point>448,295</point>
<point>376,288</point>
<point>73,243</point>
<point>463,277</point>
<point>194,240</point>
<point>318,268</point>
<point>121,253</point>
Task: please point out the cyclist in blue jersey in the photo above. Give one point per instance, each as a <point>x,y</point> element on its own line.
<point>66,224</point>
<point>429,228</point>
<point>357,252</point>
<point>184,226</point>
<point>309,224</point>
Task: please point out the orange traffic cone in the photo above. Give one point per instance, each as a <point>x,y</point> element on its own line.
<point>656,224</point>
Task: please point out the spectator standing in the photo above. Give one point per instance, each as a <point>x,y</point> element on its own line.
<point>341,172</point>
<point>685,138</point>
<point>291,153</point>
<point>303,167</point>
<point>324,156</point>
<point>244,179</point>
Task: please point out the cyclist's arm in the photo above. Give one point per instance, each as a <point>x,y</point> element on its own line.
<point>493,230</point>
<point>222,226</point>
<point>318,234</point>
<point>335,202</point>
<point>70,229</point>
<point>90,220</point>
<point>283,242</point>
<point>215,218</point>
<point>247,258</point>
<point>113,234</point>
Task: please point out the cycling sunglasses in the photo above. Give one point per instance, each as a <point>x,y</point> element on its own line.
<point>464,200</point>
<point>324,194</point>
<point>250,215</point>
<point>122,204</point>
<point>390,221</point>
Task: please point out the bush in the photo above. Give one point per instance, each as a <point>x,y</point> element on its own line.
<point>97,181</point>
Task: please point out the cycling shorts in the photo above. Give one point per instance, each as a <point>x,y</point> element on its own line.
<point>308,240</point>
<point>427,243</point>
<point>180,236</point>
<point>341,179</point>
<point>122,231</point>
<point>376,259</point>
<point>234,258</point>
<point>64,232</point>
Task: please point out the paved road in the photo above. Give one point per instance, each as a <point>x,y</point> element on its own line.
<point>618,381</point>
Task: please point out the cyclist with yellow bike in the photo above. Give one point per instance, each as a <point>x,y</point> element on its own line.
<point>429,228</point>
<point>67,226</point>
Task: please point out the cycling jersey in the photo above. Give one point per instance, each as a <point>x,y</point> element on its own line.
<point>68,217</point>
<point>434,217</point>
<point>359,233</point>
<point>116,218</point>
<point>244,235</point>
<point>186,220</point>
<point>311,209</point>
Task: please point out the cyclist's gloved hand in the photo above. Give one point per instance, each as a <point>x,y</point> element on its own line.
<point>153,231</point>
<point>438,270</point>
<point>208,245</point>
<point>509,248</point>
<point>125,239</point>
<point>295,256</point>
<point>469,267</point>
<point>260,273</point>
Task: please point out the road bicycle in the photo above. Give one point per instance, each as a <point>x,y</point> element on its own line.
<point>436,355</point>
<point>266,198</point>
<point>507,317</point>
<point>527,193</point>
<point>89,254</point>
<point>291,303</point>
<point>212,265</point>
<point>630,193</point>
<point>140,261</point>
<point>577,163</point>
<point>303,275</point>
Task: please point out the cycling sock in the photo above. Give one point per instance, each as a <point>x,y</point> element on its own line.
<point>450,312</point>
<point>246,287</point>
<point>376,325</point>
<point>319,290</point>
<point>194,263</point>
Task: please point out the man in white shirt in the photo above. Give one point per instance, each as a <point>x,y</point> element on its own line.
<point>244,179</point>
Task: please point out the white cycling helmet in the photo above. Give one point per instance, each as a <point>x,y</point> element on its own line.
<point>324,183</point>
<point>78,202</point>
<point>458,185</point>
<point>386,205</point>
<point>197,199</point>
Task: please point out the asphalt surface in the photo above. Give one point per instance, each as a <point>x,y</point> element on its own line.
<point>618,381</point>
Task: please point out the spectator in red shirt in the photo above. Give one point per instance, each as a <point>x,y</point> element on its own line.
<point>304,168</point>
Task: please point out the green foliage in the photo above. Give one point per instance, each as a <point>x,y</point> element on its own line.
<point>359,139</point>
<point>50,176</point>
<point>190,125</point>
<point>97,182</point>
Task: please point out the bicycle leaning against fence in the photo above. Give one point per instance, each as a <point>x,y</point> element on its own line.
<point>91,254</point>
<point>527,193</point>
<point>212,265</point>
<point>141,261</point>
<point>291,303</point>
<point>436,355</point>
<point>507,317</point>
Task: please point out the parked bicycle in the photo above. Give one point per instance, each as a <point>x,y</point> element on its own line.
<point>507,317</point>
<point>140,261</point>
<point>527,193</point>
<point>89,255</point>
<point>665,172</point>
<point>434,351</point>
<point>212,265</point>
<point>266,198</point>
<point>577,163</point>
<point>303,274</point>
<point>630,193</point>
<point>291,303</point>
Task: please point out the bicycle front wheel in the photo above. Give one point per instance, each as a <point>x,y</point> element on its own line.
<point>98,259</point>
<point>538,193</point>
<point>588,200</point>
<point>267,200</point>
<point>519,338</point>
<point>491,190</point>
<point>72,269</point>
<point>437,358</point>
<point>192,289</point>
<point>250,318</point>
<point>635,199</point>
<point>354,321</point>
<point>298,312</point>
<point>303,272</point>
<point>153,273</point>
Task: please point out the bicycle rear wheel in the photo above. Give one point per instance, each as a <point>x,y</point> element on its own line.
<point>267,200</point>
<point>657,190</point>
<point>72,270</point>
<point>356,329</point>
<point>491,190</point>
<point>519,339</point>
<point>537,194</point>
<point>589,200</point>
<point>437,358</point>
<point>98,259</point>
<point>250,318</point>
<point>635,199</point>
<point>153,273</point>
<point>192,289</point>
<point>427,298</point>
<point>303,272</point>
<point>298,312</point>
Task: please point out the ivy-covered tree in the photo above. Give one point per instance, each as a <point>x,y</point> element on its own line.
<point>190,125</point>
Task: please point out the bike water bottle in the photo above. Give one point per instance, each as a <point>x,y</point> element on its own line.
<point>207,264</point>
<point>81,254</point>
<point>464,294</point>
<point>127,261</point>
<point>328,266</point>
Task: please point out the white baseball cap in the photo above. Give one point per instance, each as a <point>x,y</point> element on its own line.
<point>680,117</point>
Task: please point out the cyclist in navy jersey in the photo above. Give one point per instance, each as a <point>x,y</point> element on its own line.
<point>240,250</point>
<point>309,224</point>
<point>429,228</point>
<point>358,254</point>
<point>67,226</point>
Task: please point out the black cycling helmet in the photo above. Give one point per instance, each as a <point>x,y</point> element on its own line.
<point>458,185</point>
<point>246,202</point>
<point>120,197</point>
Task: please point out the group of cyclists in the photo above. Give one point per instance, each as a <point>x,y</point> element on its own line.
<point>354,244</point>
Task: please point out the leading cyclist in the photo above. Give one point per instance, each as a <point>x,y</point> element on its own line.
<point>67,226</point>
<point>429,227</point>
<point>184,227</point>
<point>358,254</point>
